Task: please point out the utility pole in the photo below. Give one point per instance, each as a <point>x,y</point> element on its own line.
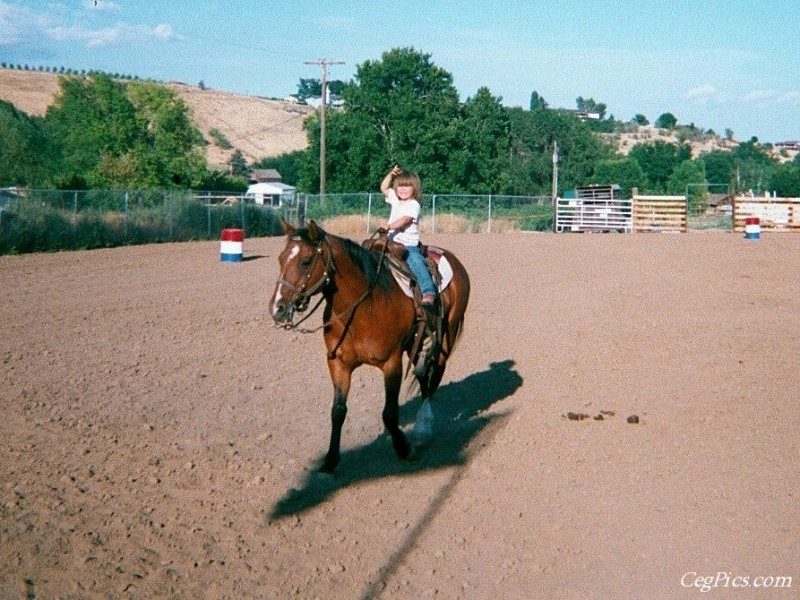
<point>323,62</point>
<point>554,193</point>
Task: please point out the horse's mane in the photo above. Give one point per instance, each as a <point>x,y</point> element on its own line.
<point>367,262</point>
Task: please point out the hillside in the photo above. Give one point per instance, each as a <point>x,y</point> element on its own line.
<point>258,127</point>
<point>262,128</point>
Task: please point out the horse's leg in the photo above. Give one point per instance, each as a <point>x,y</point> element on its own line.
<point>340,375</point>
<point>392,380</point>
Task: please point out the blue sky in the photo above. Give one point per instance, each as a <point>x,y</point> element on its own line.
<point>716,63</point>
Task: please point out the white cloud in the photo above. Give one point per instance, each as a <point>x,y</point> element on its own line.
<point>763,98</point>
<point>122,32</point>
<point>792,98</point>
<point>18,24</point>
<point>702,94</point>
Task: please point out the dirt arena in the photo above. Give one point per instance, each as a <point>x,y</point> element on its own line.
<point>160,437</point>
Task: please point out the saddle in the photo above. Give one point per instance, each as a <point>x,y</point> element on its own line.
<point>428,333</point>
<point>394,249</point>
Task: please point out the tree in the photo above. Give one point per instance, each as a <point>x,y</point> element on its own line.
<point>688,178</point>
<point>625,172</point>
<point>25,154</point>
<point>237,165</point>
<point>169,144</point>
<point>109,134</point>
<point>720,167</point>
<point>537,101</point>
<point>785,179</point>
<point>589,105</point>
<point>754,166</point>
<point>533,135</point>
<point>479,164</point>
<point>93,126</point>
<point>402,110</point>
<point>658,160</point>
<point>666,121</point>
<point>309,88</point>
<point>641,120</point>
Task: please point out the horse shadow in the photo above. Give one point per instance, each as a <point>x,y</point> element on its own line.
<point>460,418</point>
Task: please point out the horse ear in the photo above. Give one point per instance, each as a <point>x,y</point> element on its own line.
<point>314,231</point>
<point>287,228</point>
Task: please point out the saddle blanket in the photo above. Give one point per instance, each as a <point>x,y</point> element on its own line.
<point>438,257</point>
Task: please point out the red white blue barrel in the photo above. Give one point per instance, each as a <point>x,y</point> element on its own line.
<point>752,228</point>
<point>231,245</point>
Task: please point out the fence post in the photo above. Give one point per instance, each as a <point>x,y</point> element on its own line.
<point>369,211</point>
<point>489,225</point>
<point>433,213</point>
<point>126,215</point>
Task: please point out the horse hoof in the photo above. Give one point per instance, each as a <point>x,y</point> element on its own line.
<point>328,468</point>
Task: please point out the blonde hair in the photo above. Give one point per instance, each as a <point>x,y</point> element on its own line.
<point>412,179</point>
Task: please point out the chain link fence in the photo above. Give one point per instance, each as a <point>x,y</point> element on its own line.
<point>50,220</point>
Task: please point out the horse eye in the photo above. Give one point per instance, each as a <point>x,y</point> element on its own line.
<point>305,262</point>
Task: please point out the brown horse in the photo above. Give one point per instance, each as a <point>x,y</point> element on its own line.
<point>368,319</point>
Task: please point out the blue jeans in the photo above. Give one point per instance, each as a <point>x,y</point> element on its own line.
<point>420,270</point>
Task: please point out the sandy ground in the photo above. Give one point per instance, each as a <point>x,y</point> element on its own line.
<point>159,438</point>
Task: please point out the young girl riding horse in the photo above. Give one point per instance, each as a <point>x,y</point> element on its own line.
<point>403,192</point>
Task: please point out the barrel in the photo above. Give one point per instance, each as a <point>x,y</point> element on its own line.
<point>752,228</point>
<point>231,245</point>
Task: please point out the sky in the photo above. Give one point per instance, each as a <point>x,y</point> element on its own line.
<point>718,64</point>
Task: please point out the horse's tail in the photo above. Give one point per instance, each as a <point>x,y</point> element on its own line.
<point>458,298</point>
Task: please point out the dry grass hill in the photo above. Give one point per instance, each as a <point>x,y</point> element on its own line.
<point>256,126</point>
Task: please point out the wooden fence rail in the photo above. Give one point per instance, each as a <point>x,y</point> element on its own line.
<point>775,214</point>
<point>659,213</point>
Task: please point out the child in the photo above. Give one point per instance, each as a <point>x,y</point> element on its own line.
<point>404,199</point>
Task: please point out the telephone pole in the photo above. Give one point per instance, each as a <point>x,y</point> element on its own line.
<point>323,62</point>
<point>554,193</point>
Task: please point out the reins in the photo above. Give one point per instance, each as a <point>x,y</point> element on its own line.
<point>304,296</point>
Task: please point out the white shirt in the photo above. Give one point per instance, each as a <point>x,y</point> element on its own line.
<point>404,208</point>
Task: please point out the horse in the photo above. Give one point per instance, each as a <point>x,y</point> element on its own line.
<point>368,320</point>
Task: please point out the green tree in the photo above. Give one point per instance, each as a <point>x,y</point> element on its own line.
<point>93,126</point>
<point>109,134</point>
<point>689,176</point>
<point>479,164</point>
<point>640,119</point>
<point>625,172</point>
<point>237,165</point>
<point>537,101</point>
<point>658,160</point>
<point>25,154</point>
<point>169,145</point>
<point>589,105</point>
<point>754,167</point>
<point>666,121</point>
<point>533,135</point>
<point>720,167</point>
<point>785,179</point>
<point>402,110</point>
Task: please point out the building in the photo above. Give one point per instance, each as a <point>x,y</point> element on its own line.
<point>264,176</point>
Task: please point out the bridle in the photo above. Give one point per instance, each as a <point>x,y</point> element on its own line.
<point>303,297</point>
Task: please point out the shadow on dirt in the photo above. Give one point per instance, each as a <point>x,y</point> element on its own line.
<point>458,409</point>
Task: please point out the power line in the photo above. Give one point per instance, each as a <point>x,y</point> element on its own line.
<point>323,107</point>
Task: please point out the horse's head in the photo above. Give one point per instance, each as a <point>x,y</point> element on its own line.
<point>305,268</point>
